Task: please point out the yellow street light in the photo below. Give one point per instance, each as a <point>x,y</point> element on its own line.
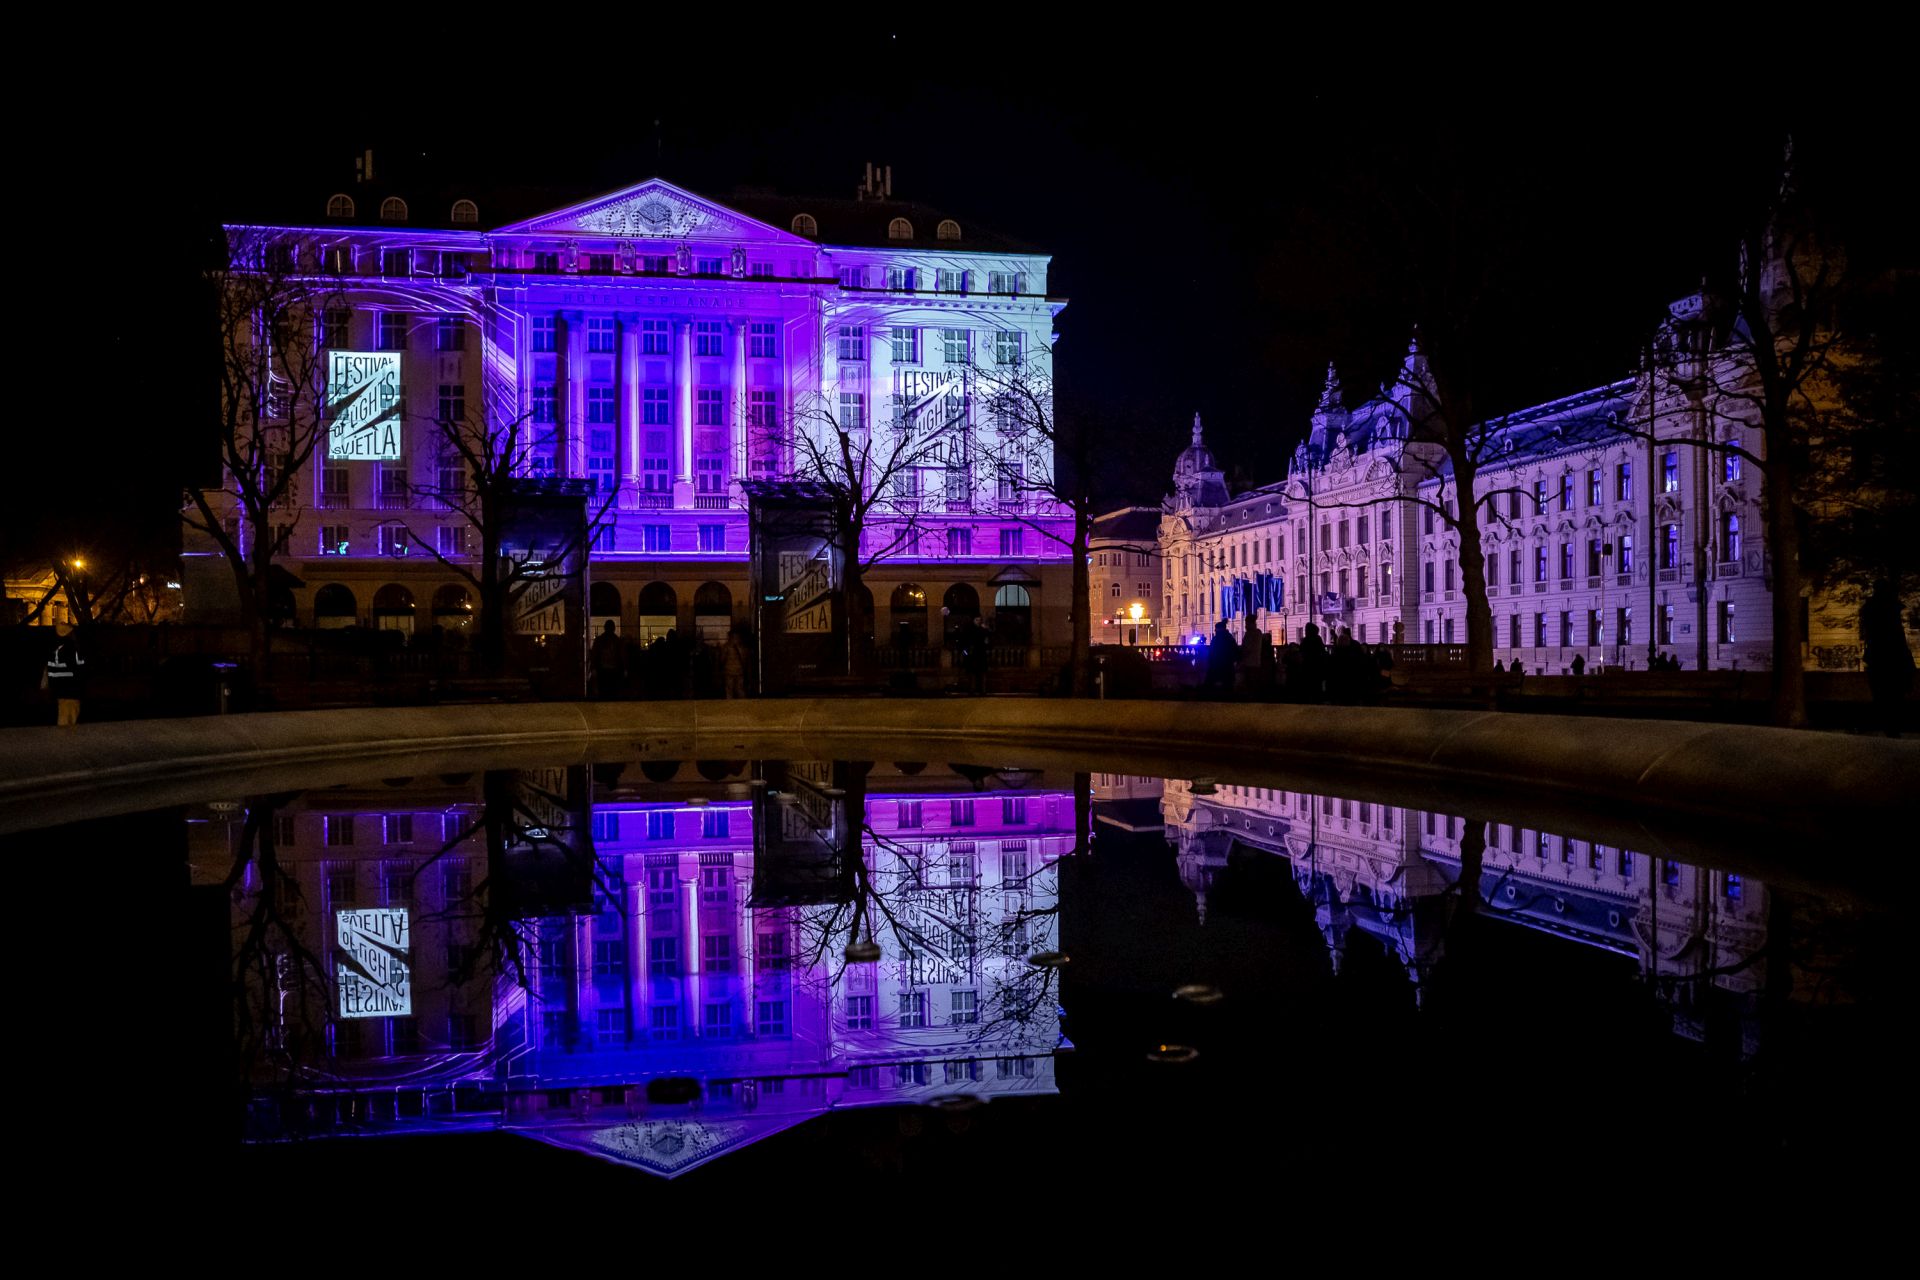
<point>1137,611</point>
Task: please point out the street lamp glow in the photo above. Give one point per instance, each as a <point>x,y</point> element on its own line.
<point>1136,611</point>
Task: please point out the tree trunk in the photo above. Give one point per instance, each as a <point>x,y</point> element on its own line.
<point>1473,571</point>
<point>1080,661</point>
<point>1783,542</point>
<point>491,643</point>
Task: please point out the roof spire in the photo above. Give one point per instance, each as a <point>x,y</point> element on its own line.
<point>1196,429</point>
<point>1330,394</point>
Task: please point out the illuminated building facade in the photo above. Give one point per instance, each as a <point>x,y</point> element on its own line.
<point>1596,544</point>
<point>1125,576</point>
<point>687,941</point>
<point>664,347</point>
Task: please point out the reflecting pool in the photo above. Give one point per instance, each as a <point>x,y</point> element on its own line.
<point>742,969</point>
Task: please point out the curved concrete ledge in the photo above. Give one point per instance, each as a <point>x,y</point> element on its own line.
<point>1794,781</point>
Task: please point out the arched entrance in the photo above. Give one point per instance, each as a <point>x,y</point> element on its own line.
<point>860,614</point>
<point>909,605</point>
<point>712,612</point>
<point>603,606</point>
<point>393,608</point>
<point>334,607</point>
<point>453,608</point>
<point>1012,614</point>
<point>659,611</point>
<point>962,605</point>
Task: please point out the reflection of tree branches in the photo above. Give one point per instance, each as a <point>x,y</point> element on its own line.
<point>270,962</point>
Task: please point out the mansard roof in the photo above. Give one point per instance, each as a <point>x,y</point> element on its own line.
<point>1570,424</point>
<point>868,223</point>
<point>1128,524</point>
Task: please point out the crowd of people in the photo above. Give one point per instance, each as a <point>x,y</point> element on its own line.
<point>672,666</point>
<point>1309,670</point>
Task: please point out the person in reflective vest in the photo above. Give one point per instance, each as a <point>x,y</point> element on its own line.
<point>65,679</point>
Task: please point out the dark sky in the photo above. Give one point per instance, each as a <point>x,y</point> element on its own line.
<point>1211,216</point>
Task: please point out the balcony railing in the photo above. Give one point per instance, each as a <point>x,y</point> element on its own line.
<point>333,502</point>
<point>391,502</point>
<point>711,502</point>
<point>644,501</point>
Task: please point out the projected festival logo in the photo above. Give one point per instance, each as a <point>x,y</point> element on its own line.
<point>375,981</point>
<point>363,406</point>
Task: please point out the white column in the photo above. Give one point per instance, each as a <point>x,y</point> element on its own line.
<point>690,904</point>
<point>573,438</point>
<point>742,891</point>
<point>683,334</point>
<point>637,984</point>
<point>738,441</point>
<point>630,404</point>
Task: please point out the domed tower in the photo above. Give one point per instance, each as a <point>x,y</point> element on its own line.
<point>1197,478</point>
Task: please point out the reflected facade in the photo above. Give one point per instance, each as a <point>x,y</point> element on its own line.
<point>656,962</point>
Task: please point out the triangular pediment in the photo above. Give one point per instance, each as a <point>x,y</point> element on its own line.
<point>652,210</point>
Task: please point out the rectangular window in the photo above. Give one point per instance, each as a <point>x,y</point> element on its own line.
<point>453,402</point>
<point>450,540</point>
<point>1566,491</point>
<point>964,1007</point>
<point>959,542</point>
<point>1513,631</point>
<point>1540,630</point>
<point>1623,482</point>
<point>900,279</point>
<point>710,266</point>
<point>1729,536</point>
<point>710,407</point>
<point>544,334</point>
<point>602,409</point>
<point>708,338</point>
<point>1539,497</point>
<point>1732,467</point>
<point>1539,564</point>
<point>335,540</point>
<point>708,475</point>
<point>657,537</point>
<point>396,262</point>
<point>334,326</point>
<point>949,281</point>
<point>1566,559</point>
<point>600,335</point>
<point>716,953</point>
<point>656,406</point>
<point>763,339</point>
<point>1626,553</point>
<point>1593,487</point>
<point>1593,627</point>
<point>656,339</point>
<point>851,343</point>
<point>1013,542</point>
<point>1670,546</point>
<point>853,411</point>
<point>546,260</point>
<point>1727,633</point>
<point>1593,557</point>
<point>954,346</point>
<point>859,1013</point>
<point>1670,472</point>
<point>853,277</point>
<point>1623,626</point>
<point>772,1017</point>
<point>1006,347</point>
<point>913,1008</point>
<point>960,813</point>
<point>393,331</point>
<point>905,344</point>
<point>911,815</point>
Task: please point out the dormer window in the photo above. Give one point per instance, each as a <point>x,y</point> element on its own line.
<point>899,229</point>
<point>393,209</point>
<point>948,230</point>
<point>340,206</point>
<point>465,211</point>
<point>804,225</point>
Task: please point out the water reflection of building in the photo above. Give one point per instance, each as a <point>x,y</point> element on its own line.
<point>1385,870</point>
<point>671,955</point>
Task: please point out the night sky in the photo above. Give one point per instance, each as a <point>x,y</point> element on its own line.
<point>1212,223</point>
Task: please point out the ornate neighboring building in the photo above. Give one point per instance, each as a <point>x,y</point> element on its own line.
<point>1597,544</point>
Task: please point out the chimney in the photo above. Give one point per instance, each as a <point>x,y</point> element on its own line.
<point>363,166</point>
<point>889,184</point>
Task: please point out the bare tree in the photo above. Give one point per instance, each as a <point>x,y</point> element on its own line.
<point>271,311</point>
<point>1043,465</point>
<point>487,450</point>
<point>873,478</point>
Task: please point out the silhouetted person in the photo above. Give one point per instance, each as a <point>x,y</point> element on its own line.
<point>733,666</point>
<point>1499,667</point>
<point>1519,668</point>
<point>609,662</point>
<point>1579,665</point>
<point>1889,660</point>
<point>1313,664</point>
<point>975,645</point>
<point>1222,653</point>
<point>66,679</point>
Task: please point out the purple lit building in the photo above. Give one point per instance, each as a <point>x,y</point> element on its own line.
<point>658,344</point>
